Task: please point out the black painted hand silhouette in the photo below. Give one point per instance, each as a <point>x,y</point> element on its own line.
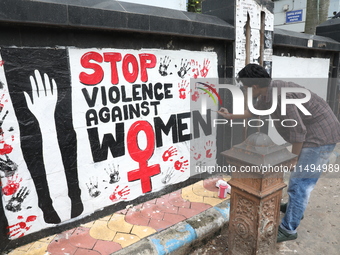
<point>14,204</point>
<point>163,67</point>
<point>184,68</point>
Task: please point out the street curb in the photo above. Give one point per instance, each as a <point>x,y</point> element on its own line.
<point>178,239</point>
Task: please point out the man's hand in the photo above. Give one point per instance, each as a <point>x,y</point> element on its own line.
<point>225,113</point>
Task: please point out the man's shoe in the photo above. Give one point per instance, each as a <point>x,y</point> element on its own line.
<point>283,208</point>
<point>283,236</point>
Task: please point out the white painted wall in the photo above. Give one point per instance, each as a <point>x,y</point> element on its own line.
<point>109,180</point>
<point>312,73</point>
<point>180,5</point>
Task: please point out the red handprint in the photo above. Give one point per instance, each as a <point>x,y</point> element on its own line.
<point>169,153</point>
<point>197,155</point>
<point>1,104</point>
<point>119,194</point>
<point>4,147</point>
<point>183,89</point>
<point>195,69</point>
<point>21,227</point>
<point>204,71</point>
<point>12,186</point>
<point>2,63</point>
<point>208,149</point>
<point>181,165</point>
<point>195,96</point>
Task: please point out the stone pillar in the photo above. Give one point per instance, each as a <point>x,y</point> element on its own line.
<point>256,194</point>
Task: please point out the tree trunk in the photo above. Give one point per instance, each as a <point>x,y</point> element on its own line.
<point>316,13</point>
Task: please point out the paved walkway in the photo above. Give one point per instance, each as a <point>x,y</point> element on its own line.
<point>123,228</point>
<point>174,220</point>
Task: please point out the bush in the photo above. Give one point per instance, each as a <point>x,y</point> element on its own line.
<point>195,6</point>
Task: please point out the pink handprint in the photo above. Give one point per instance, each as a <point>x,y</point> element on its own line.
<point>119,194</point>
<point>208,149</point>
<point>195,96</point>
<point>204,71</point>
<point>169,153</point>
<point>181,165</point>
<point>21,227</point>
<point>197,155</point>
<point>12,186</point>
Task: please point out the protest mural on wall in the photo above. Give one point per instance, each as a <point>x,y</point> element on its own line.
<point>83,129</point>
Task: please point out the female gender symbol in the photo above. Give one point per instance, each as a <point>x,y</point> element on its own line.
<point>145,172</point>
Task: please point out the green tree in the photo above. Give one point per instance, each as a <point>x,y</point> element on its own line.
<point>194,6</point>
<point>316,13</point>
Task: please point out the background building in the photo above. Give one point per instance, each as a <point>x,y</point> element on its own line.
<point>291,14</point>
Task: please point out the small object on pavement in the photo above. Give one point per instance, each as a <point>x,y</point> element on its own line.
<point>219,182</point>
<point>222,191</point>
<point>223,188</point>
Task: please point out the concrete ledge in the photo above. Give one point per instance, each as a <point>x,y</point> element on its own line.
<point>114,15</point>
<point>300,40</point>
<point>180,237</point>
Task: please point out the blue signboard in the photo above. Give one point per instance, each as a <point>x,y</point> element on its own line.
<point>294,16</point>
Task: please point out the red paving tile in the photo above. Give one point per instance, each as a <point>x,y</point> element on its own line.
<point>61,247</point>
<point>173,218</point>
<point>81,251</point>
<point>176,193</point>
<point>200,207</point>
<point>135,218</point>
<point>177,200</point>
<point>165,206</point>
<point>138,207</point>
<point>65,234</point>
<point>106,248</point>
<point>165,196</point>
<point>210,184</point>
<point>153,201</point>
<point>159,213</point>
<point>135,208</point>
<point>188,212</point>
<point>159,224</point>
<point>124,211</point>
<point>82,239</point>
<point>152,211</point>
